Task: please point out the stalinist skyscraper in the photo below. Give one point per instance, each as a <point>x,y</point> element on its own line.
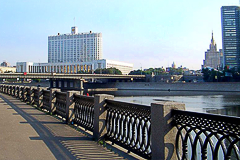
<point>212,56</point>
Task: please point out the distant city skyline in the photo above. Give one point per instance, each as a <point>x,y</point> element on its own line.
<point>145,33</point>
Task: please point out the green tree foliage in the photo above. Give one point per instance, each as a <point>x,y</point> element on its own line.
<point>227,75</point>
<point>84,72</point>
<point>157,71</point>
<point>176,71</point>
<point>108,71</point>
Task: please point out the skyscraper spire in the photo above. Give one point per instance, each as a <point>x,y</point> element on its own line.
<point>212,41</point>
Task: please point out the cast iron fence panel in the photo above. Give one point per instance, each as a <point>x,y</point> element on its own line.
<point>13,91</point>
<point>36,96</point>
<point>61,104</point>
<point>84,111</point>
<point>46,99</point>
<point>10,90</point>
<point>17,92</point>
<point>22,93</point>
<point>207,136</point>
<point>129,125</point>
<point>28,94</point>
<point>7,90</point>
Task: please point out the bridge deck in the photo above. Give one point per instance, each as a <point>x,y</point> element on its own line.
<point>27,133</point>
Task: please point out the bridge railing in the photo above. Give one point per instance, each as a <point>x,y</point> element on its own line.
<point>84,111</point>
<point>129,125</point>
<point>46,100</point>
<point>206,136</point>
<point>61,99</point>
<point>160,131</point>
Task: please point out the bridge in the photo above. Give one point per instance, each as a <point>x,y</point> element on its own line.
<point>71,81</point>
<point>163,130</point>
<point>68,76</point>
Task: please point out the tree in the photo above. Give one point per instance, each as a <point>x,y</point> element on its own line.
<point>108,71</point>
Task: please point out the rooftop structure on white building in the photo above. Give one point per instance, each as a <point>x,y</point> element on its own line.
<point>74,53</point>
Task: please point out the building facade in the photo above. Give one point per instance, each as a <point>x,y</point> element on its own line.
<point>74,53</point>
<point>74,47</point>
<point>73,67</point>
<point>231,35</point>
<point>213,57</point>
<point>5,64</point>
<point>7,69</point>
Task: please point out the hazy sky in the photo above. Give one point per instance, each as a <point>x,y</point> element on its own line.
<point>147,33</point>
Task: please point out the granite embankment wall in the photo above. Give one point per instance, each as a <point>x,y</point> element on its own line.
<point>204,86</point>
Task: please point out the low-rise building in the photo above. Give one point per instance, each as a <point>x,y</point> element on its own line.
<point>7,69</point>
<point>5,64</point>
<point>71,67</point>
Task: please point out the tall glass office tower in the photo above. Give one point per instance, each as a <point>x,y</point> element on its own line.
<point>231,35</point>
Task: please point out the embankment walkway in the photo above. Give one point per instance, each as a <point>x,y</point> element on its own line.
<point>27,133</point>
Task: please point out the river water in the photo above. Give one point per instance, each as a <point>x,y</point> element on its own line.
<point>224,103</point>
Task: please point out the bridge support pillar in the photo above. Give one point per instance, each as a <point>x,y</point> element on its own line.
<point>81,84</point>
<point>163,133</point>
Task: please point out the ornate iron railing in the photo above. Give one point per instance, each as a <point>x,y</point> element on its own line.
<point>10,90</point>
<point>13,91</point>
<point>36,96</point>
<point>46,100</point>
<point>22,93</point>
<point>207,136</point>
<point>84,111</point>
<point>28,94</point>
<point>61,104</point>
<point>129,125</point>
<point>17,92</point>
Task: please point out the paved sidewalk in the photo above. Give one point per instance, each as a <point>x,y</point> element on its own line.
<point>27,133</point>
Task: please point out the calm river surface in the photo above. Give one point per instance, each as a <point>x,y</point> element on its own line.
<point>225,103</point>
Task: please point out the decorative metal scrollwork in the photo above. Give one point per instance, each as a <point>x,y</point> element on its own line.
<point>46,99</point>
<point>84,111</point>
<point>207,136</point>
<point>129,125</point>
<point>61,103</point>
<point>28,94</point>
<point>36,96</point>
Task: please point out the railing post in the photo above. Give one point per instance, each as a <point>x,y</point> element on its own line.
<point>40,97</point>
<point>70,105</point>
<point>163,133</point>
<point>100,114</point>
<point>52,100</point>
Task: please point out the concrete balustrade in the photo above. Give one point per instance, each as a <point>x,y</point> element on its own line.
<point>70,106</point>
<point>162,129</point>
<point>163,132</point>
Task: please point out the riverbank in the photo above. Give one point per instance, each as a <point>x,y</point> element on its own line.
<point>155,86</point>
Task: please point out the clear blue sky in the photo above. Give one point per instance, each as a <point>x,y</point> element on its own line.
<point>147,33</point>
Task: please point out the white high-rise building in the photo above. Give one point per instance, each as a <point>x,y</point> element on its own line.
<point>74,53</point>
<point>74,47</point>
